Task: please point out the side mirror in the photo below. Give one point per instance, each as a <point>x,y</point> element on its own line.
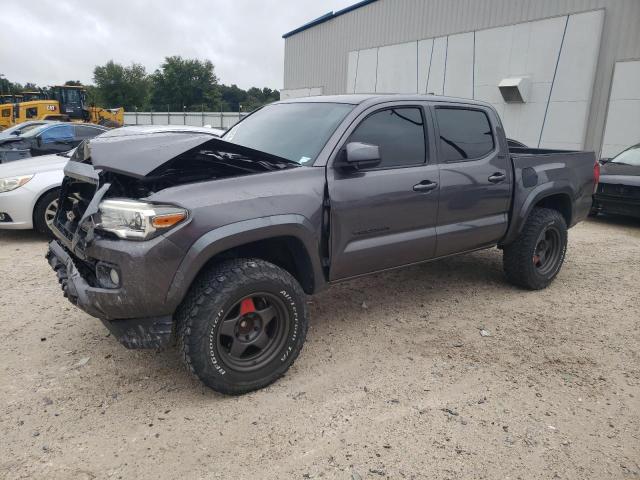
<point>362,155</point>
<point>604,160</point>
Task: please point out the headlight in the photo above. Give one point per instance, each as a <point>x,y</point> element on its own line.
<point>136,220</point>
<point>11,183</point>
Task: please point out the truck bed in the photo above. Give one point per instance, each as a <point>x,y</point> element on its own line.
<point>538,170</point>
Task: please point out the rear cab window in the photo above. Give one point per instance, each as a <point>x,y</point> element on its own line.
<point>465,134</point>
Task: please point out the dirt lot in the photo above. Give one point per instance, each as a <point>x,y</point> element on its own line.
<point>395,380</point>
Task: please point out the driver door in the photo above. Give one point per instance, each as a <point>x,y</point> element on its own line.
<point>385,216</point>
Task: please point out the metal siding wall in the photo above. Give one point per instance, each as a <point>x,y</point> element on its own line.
<point>318,56</point>
<point>623,116</point>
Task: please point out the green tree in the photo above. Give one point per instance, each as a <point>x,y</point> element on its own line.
<point>120,86</point>
<point>256,97</point>
<point>6,86</point>
<point>232,97</point>
<point>189,83</point>
<point>73,83</point>
<point>93,97</point>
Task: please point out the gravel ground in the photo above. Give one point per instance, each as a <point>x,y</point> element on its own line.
<point>395,380</point>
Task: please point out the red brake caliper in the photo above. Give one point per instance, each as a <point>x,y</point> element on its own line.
<point>247,306</point>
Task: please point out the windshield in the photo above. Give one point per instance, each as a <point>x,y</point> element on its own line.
<point>8,131</point>
<point>295,131</point>
<point>71,95</point>
<point>630,156</point>
<point>27,128</point>
<point>34,131</point>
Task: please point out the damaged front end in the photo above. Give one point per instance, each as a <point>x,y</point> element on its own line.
<point>114,256</point>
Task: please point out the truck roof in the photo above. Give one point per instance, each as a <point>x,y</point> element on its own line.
<point>357,99</point>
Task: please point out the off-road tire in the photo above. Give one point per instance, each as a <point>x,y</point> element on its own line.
<point>212,297</point>
<point>39,221</point>
<point>518,256</point>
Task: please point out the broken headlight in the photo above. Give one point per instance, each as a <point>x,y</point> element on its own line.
<point>134,220</point>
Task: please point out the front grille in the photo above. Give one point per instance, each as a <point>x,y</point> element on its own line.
<point>75,196</point>
<point>617,190</point>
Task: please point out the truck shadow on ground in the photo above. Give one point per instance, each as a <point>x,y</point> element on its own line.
<point>344,309</point>
<point>17,237</point>
<point>348,308</point>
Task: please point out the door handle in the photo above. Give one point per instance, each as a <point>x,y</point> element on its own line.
<point>425,186</point>
<point>497,177</point>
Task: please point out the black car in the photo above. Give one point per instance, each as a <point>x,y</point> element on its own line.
<point>619,188</point>
<point>46,139</point>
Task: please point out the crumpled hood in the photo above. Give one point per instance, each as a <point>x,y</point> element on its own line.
<point>137,154</point>
<point>620,174</point>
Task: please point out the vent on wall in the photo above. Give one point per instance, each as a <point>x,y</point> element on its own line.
<point>515,89</point>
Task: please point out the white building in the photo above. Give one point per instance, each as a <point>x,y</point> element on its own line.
<point>561,73</point>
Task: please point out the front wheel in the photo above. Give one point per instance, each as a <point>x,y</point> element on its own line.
<point>45,212</point>
<point>534,259</point>
<point>242,325</point>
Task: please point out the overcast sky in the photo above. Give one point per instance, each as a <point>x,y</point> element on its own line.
<point>51,41</point>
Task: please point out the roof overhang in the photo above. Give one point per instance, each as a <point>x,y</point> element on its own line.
<point>327,16</point>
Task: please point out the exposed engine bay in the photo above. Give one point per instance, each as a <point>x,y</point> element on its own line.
<point>135,166</point>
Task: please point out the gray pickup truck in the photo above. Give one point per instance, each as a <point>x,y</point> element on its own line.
<point>215,242</point>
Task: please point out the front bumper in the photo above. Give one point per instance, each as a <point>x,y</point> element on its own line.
<point>136,313</point>
<point>18,205</point>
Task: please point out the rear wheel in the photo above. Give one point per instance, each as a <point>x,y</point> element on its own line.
<point>45,211</point>
<point>242,325</point>
<point>534,259</point>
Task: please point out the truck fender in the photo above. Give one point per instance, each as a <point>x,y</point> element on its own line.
<point>241,233</point>
<point>527,199</point>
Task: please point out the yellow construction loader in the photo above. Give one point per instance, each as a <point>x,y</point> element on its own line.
<point>65,103</point>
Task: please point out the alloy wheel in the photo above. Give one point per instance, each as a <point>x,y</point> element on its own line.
<point>253,331</point>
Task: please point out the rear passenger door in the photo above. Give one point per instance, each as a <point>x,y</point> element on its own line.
<point>475,178</point>
<point>384,216</point>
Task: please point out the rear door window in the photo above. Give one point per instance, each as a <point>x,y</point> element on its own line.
<point>465,134</point>
<point>83,132</point>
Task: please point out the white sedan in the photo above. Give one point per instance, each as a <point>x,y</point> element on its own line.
<point>29,191</point>
<point>29,188</point>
